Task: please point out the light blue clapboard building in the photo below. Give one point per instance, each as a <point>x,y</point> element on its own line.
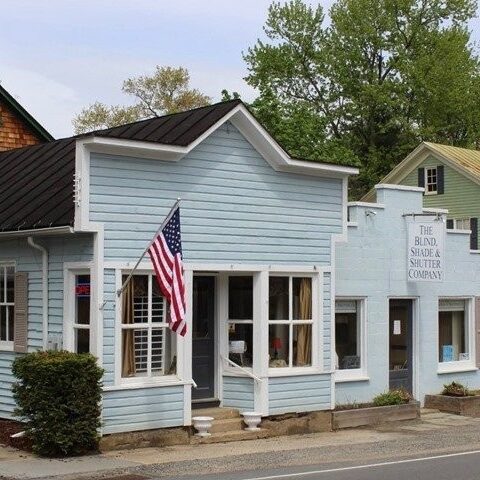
<point>259,235</point>
<point>296,300</point>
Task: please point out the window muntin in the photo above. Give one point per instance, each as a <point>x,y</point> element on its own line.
<point>290,321</point>
<point>453,331</point>
<point>431,180</point>
<point>81,324</point>
<point>148,344</point>
<point>7,305</point>
<point>240,319</point>
<point>348,334</point>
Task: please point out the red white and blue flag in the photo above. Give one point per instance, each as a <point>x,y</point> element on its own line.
<point>166,255</point>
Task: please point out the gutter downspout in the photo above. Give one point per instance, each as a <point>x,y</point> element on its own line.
<point>44,289</point>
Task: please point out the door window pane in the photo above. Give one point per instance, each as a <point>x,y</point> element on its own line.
<point>82,340</point>
<point>82,295</point>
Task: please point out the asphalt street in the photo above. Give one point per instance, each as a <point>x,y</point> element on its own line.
<point>457,466</point>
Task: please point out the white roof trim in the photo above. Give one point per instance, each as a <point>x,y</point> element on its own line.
<point>36,232</point>
<point>246,123</point>
<point>391,186</point>
<point>366,205</point>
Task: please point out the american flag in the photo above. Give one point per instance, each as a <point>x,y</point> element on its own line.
<point>166,255</point>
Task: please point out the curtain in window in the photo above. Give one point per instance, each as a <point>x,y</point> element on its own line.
<point>128,346</point>
<point>304,335</point>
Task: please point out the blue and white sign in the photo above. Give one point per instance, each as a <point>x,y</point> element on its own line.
<point>426,251</point>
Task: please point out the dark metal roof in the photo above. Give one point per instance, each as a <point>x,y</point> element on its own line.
<point>41,133</point>
<point>36,183</point>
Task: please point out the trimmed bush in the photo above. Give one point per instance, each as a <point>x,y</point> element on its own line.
<point>58,397</point>
<point>393,397</point>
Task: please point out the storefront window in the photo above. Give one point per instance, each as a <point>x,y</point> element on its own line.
<point>453,344</point>
<point>347,334</point>
<point>240,320</point>
<point>148,344</point>
<point>290,321</point>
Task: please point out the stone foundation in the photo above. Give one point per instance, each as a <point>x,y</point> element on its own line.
<point>298,423</point>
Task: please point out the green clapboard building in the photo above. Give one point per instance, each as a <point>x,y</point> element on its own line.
<point>451,178</point>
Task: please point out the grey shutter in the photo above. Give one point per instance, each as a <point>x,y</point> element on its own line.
<point>20,328</point>
<point>477,331</point>
<point>474,234</point>
<point>450,223</point>
<point>421,177</point>
<point>440,180</point>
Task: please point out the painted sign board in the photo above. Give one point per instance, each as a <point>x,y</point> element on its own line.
<point>426,250</point>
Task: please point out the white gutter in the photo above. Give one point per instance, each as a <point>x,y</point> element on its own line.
<point>44,289</point>
<point>36,232</point>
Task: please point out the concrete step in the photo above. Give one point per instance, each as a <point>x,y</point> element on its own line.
<point>218,413</point>
<point>227,425</point>
<point>221,437</point>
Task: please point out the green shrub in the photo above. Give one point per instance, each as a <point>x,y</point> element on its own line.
<point>456,389</point>
<point>393,397</point>
<point>58,397</point>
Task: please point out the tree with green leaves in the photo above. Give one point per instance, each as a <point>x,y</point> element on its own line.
<point>166,91</point>
<point>384,75</point>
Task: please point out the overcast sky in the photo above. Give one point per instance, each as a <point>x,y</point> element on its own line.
<point>57,56</point>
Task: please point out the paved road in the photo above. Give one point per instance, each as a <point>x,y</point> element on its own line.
<point>456,466</point>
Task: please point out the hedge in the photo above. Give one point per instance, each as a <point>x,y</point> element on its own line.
<point>58,397</point>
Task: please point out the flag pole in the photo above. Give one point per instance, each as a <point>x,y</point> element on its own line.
<point>167,218</point>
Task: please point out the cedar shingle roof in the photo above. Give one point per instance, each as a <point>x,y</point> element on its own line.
<point>36,183</point>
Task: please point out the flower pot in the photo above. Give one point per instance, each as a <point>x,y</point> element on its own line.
<point>202,425</point>
<point>252,419</point>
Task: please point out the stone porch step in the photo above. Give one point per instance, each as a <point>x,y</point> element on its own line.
<point>227,425</point>
<point>218,413</point>
<point>232,436</point>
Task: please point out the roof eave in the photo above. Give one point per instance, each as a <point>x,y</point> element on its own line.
<point>48,231</point>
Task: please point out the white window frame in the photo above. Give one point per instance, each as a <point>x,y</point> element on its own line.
<point>69,303</point>
<point>315,322</point>
<point>7,346</point>
<point>433,173</point>
<point>223,281</point>
<point>459,365</point>
<point>141,381</point>
<point>355,374</point>
<point>456,225</point>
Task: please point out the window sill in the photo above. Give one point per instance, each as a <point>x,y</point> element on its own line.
<point>343,376</point>
<point>431,193</point>
<point>291,372</point>
<point>456,367</point>
<point>6,346</point>
<point>157,383</point>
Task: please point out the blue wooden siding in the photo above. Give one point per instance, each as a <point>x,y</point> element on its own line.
<point>238,393</point>
<point>64,249</point>
<point>304,393</point>
<point>235,207</point>
<point>142,409</point>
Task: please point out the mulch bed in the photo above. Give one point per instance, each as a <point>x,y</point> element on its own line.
<point>10,427</point>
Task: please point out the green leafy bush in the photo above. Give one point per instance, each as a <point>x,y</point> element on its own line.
<point>456,389</point>
<point>58,397</point>
<point>393,397</point>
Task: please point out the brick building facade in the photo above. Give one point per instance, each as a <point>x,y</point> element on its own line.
<point>17,127</point>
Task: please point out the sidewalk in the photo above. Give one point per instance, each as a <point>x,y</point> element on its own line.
<point>436,431</point>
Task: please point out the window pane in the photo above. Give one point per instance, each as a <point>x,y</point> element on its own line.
<point>82,340</point>
<point>82,296</point>
<point>164,361</point>
<point>278,345</point>
<point>3,293</point>
<point>346,340</point>
<point>452,344</point>
<point>158,304</point>
<point>240,298</point>
<point>140,298</point>
<point>141,351</point>
<point>302,345</point>
<point>11,318</point>
<point>278,298</point>
<point>10,284</point>
<point>3,324</point>
<point>240,343</point>
<point>302,298</point>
